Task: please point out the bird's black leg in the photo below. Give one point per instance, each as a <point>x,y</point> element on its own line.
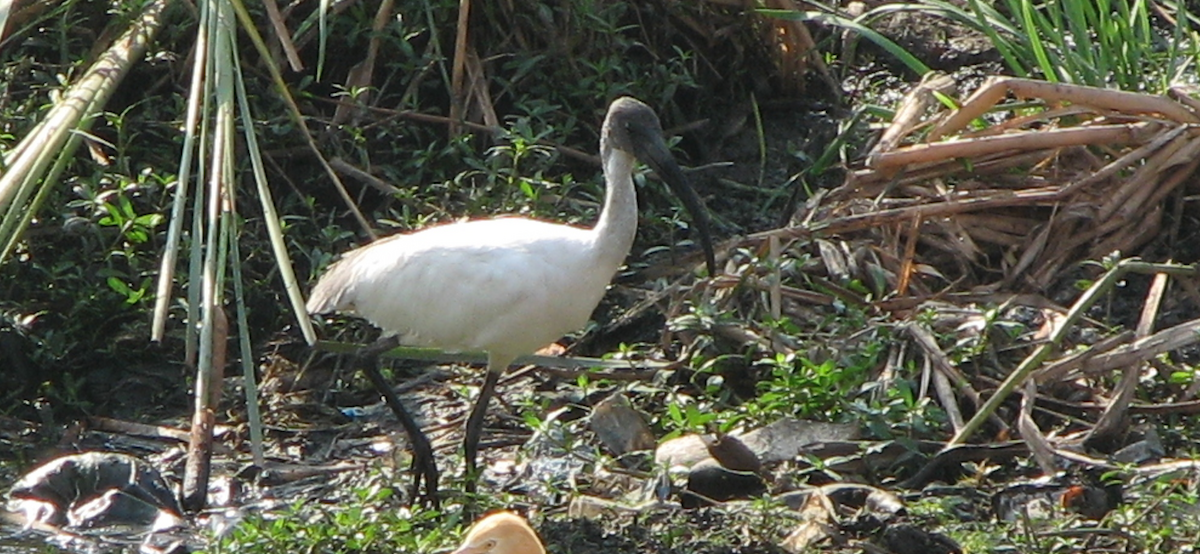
<point>475,426</point>
<point>424,466</point>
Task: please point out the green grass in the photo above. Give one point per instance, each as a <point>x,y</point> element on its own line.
<point>368,522</point>
<point>1124,45</point>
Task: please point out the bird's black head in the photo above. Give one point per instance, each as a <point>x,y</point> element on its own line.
<point>631,126</point>
<point>631,123</point>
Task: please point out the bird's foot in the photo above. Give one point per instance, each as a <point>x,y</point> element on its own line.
<point>424,470</point>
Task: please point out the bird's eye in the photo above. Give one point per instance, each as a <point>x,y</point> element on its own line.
<point>489,545</point>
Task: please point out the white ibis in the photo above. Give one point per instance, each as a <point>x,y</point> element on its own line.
<point>501,533</point>
<point>506,286</point>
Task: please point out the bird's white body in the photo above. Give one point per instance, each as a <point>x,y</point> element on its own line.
<point>507,286</point>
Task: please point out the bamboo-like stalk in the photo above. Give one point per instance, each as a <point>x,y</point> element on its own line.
<point>271,217</point>
<point>217,236</point>
<point>437,355</point>
<point>283,261</point>
<point>166,271</point>
<point>1035,359</point>
<point>249,379</point>
<point>5,9</point>
<point>322,39</point>
<point>298,118</point>
<point>15,222</point>
<point>30,161</point>
<point>196,251</point>
<point>293,289</point>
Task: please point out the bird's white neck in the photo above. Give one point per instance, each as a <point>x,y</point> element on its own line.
<point>618,219</point>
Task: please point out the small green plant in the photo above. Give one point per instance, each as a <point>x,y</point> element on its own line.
<point>132,295</point>
<point>1098,43</point>
<point>368,521</point>
<point>799,387</point>
<point>683,417</point>
<point>895,411</point>
<point>136,228</point>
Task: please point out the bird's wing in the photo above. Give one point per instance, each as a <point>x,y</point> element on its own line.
<point>508,284</point>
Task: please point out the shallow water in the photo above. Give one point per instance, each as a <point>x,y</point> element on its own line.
<point>24,544</point>
<point>15,541</point>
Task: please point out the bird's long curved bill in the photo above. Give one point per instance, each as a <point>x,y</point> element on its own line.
<point>655,153</point>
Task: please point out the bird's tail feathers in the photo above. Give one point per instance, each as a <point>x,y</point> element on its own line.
<point>329,294</point>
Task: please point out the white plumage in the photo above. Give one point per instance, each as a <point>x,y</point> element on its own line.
<point>504,286</point>
<point>507,286</point>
